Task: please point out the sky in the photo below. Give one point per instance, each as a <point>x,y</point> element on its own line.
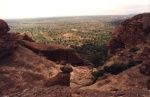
<point>10,9</point>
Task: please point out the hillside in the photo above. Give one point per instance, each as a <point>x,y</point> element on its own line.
<point>25,63</point>
<point>129,48</point>
<point>32,69</point>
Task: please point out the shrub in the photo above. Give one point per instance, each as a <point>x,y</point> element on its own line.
<point>131,63</point>
<point>98,73</point>
<point>114,68</point>
<point>94,52</point>
<point>133,50</point>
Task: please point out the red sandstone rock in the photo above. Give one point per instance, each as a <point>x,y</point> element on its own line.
<point>4,28</point>
<point>62,78</point>
<point>66,69</point>
<point>56,53</point>
<point>133,33</point>
<point>145,68</point>
<point>25,63</point>
<point>130,33</point>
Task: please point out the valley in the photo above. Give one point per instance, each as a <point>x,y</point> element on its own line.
<point>88,35</point>
<point>90,56</point>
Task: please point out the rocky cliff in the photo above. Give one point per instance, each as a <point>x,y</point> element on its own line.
<point>131,33</point>
<point>130,42</point>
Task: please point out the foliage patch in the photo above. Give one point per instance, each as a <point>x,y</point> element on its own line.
<point>114,68</point>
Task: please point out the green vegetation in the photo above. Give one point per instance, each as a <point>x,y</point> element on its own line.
<point>133,50</point>
<point>94,52</point>
<point>116,22</point>
<point>131,63</point>
<point>98,73</point>
<point>87,35</point>
<point>114,68</point>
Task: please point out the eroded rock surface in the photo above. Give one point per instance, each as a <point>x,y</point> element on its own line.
<point>130,33</point>
<point>4,28</point>
<point>56,53</point>
<point>129,43</point>
<point>25,63</point>
<point>63,91</point>
<point>62,78</point>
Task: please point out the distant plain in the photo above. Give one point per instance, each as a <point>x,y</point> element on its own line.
<point>88,35</point>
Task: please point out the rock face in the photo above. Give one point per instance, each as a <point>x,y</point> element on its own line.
<point>20,68</point>
<point>81,76</point>
<point>131,33</point>
<point>129,43</point>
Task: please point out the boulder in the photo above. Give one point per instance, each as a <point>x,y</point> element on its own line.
<point>7,45</point>
<point>66,69</point>
<point>4,28</point>
<point>62,79</point>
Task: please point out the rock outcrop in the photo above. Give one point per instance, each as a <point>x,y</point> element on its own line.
<point>4,28</point>
<point>6,46</point>
<point>56,53</point>
<point>131,33</point>
<point>25,63</point>
<point>62,78</point>
<point>129,43</point>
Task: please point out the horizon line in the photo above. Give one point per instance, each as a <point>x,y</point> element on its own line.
<point>70,16</point>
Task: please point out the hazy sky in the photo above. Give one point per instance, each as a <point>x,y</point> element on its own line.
<point>52,8</point>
